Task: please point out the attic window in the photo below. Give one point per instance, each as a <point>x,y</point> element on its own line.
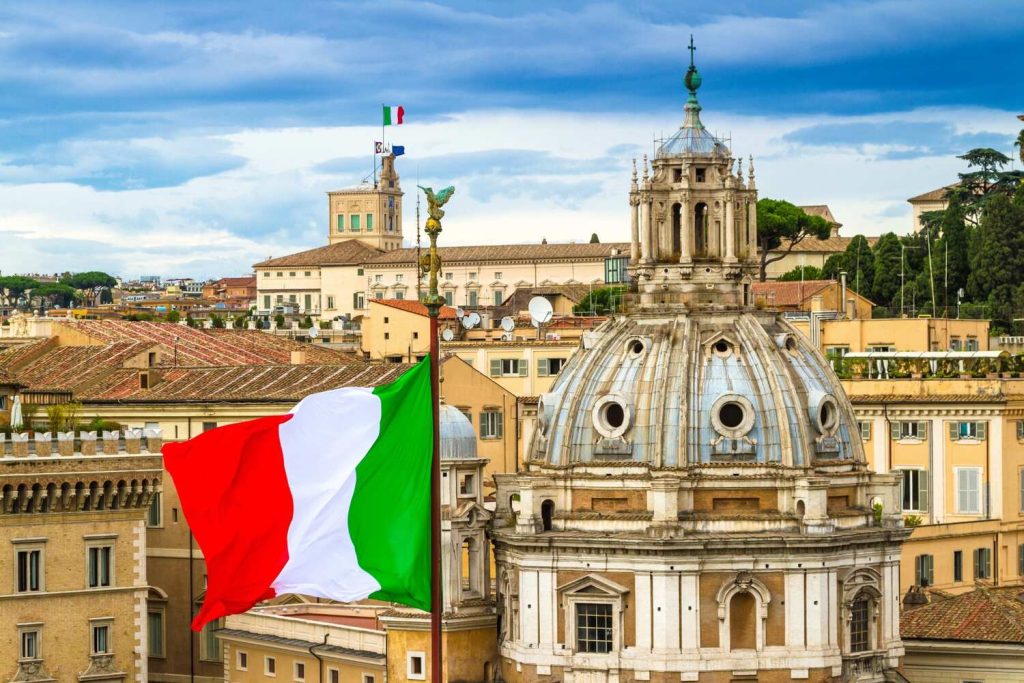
<point>152,358</point>
<point>144,380</point>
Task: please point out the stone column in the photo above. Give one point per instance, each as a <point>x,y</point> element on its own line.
<point>634,244</point>
<point>730,230</point>
<point>645,225</point>
<point>686,232</point>
<point>753,228</point>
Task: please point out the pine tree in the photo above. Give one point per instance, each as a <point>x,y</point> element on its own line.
<point>886,282</point>
<point>997,266</point>
<point>953,249</point>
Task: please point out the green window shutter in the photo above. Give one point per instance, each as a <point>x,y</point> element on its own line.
<point>922,430</point>
<point>369,222</point>
<point>982,430</point>
<point>923,481</point>
<point>353,222</point>
<point>524,368</point>
<point>894,430</point>
<point>542,367</point>
<point>954,431</point>
<point>355,300</point>
<point>499,425</point>
<point>341,222</point>
<point>495,367</point>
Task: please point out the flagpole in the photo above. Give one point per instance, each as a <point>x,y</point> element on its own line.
<point>433,303</point>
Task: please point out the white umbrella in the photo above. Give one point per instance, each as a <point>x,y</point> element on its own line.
<point>16,417</point>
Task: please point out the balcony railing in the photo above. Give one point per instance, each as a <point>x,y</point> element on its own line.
<point>863,666</point>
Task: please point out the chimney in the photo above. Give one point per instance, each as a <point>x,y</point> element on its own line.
<point>842,288</point>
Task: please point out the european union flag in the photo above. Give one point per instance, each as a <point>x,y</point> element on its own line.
<point>398,150</point>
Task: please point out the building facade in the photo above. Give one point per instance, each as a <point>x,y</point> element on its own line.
<point>696,503</point>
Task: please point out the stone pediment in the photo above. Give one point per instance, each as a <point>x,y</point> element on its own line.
<point>594,585</point>
<point>469,512</point>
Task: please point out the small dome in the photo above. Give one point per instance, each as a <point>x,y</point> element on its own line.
<point>458,440</point>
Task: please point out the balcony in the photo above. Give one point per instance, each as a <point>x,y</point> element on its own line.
<point>864,667</point>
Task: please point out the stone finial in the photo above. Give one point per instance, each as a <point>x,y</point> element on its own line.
<point>633,182</point>
<point>739,169</point>
<point>110,442</point>
<point>645,169</point>
<point>88,443</point>
<point>750,169</point>
<point>65,443</point>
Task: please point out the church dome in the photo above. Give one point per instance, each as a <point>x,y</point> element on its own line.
<point>458,440</point>
<point>683,389</point>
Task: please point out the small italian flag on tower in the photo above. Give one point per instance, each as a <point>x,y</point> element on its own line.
<point>393,116</point>
<point>330,500</point>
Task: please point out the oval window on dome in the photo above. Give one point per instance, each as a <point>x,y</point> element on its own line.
<point>612,416</point>
<point>825,412</point>
<point>635,346</point>
<point>732,416</point>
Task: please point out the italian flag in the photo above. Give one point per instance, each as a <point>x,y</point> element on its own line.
<point>331,500</point>
<point>393,116</point>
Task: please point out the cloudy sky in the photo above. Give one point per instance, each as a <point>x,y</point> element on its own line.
<point>192,138</point>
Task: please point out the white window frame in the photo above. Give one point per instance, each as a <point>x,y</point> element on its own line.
<point>35,627</point>
<point>266,666</point>
<point>30,545</point>
<point>369,678</point>
<point>333,675</point>
<point>918,433</point>
<point>919,476</point>
<point>241,660</point>
<point>1020,430</point>
<point>94,626</point>
<point>865,429</point>
<point>492,424</point>
<point>924,568</point>
<point>410,656</point>
<point>968,510</point>
<point>295,672</point>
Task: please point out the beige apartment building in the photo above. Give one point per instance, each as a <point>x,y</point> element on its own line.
<point>72,527</point>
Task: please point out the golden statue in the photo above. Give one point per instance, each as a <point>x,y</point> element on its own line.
<point>434,204</point>
<point>431,262</point>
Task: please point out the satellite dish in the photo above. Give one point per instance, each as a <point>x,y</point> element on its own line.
<point>508,323</point>
<point>447,335</point>
<point>467,321</point>
<point>540,310</point>
<point>474,319</point>
<point>314,332</point>
<point>459,313</point>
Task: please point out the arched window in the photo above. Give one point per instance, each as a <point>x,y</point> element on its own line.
<point>470,573</point>
<point>700,229</point>
<point>677,233</point>
<point>800,509</point>
<point>743,622</point>
<point>860,635</point>
<point>547,511</point>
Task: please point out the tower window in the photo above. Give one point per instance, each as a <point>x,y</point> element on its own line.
<point>354,222</point>
<point>341,222</point>
<point>859,638</point>
<point>369,222</point>
<point>701,174</point>
<point>593,627</point>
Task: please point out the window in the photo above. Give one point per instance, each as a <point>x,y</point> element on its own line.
<point>914,489</point>
<point>399,277</point>
<point>209,648</point>
<point>306,273</point>
<point>416,666</point>
<point>30,570</point>
<point>473,298</point>
<point>367,678</point>
<point>924,570</point>
<point>449,275</point>
<point>266,301</point>
<point>280,274</point>
<point>547,367</point>
<point>101,638</point>
<point>508,367</point>
<point>387,335</point>
<point>972,344</point>
<point>369,222</point>
<point>242,661</point>
<point>467,484</point>
<point>300,671</point>
<point>968,431</point>
<point>359,271</point>
<point>449,298</point>
<point>100,559</point>
<point>358,301</point>
<point>378,278</point>
<point>859,636</point>
<point>207,426</point>
<point>353,222</point>
<point>968,490</point>
<point>279,299</point>
<point>333,676</point>
<point>881,348</point>
<point>497,275</point>
<point>499,296</point>
<point>593,627</point>
<point>30,643</point>
<point>491,424</point>
<point>1020,430</point>
<point>472,277</point>
<point>155,516</point>
<point>615,270</point>
<point>291,273</point>
<point>983,563</point>
<point>909,430</point>
<point>155,626</point>
<point>292,298</point>
<point>958,565</point>
<point>701,174</point>
<point>1020,560</point>
<point>341,222</point>
<point>330,302</point>
<point>954,344</point>
<point>865,430</point>
<point>270,666</point>
<point>307,303</point>
<point>836,353</point>
<point>399,295</point>
<point>378,295</point>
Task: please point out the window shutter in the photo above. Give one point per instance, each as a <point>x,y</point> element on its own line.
<point>923,484</point>
<point>982,430</point>
<point>499,425</point>
<point>894,431</point>
<point>977,560</point>
<point>918,570</point>
<point>495,367</point>
<point>954,431</point>
<point>542,367</point>
<point>931,569</point>
<point>524,368</point>
<point>922,430</point>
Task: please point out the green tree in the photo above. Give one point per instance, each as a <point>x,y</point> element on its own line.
<point>1019,144</point>
<point>217,321</point>
<point>802,273</point>
<point>858,262</point>
<point>190,321</point>
<point>594,239</point>
<point>173,316</point>
<point>239,322</point>
<point>886,283</point>
<point>106,296</point>
<point>306,323</point>
<point>986,179</point>
<point>16,285</point>
<point>781,226</point>
<point>279,319</point>
<point>89,280</point>
<point>56,293</point>
<point>601,301</point>
<point>997,267</point>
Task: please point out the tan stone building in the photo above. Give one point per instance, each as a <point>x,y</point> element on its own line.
<point>371,214</point>
<point>812,296</point>
<point>73,512</point>
<point>934,200</point>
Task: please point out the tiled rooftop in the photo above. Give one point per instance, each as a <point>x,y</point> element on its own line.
<point>994,615</point>
<point>348,252</point>
<point>446,313</point>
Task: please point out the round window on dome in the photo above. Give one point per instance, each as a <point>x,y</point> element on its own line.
<point>722,348</point>
<point>635,347</point>
<point>828,415</point>
<point>732,416</point>
<point>612,416</point>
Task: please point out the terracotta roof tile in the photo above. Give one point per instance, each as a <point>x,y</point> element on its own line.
<point>788,293</point>
<point>508,252</point>
<point>823,211</point>
<point>247,281</point>
<point>994,615</point>
<point>411,306</point>
<point>933,195</point>
<point>348,252</point>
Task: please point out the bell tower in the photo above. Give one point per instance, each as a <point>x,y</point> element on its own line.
<point>693,218</point>
<point>369,213</point>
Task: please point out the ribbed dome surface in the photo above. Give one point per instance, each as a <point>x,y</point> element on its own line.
<point>458,440</point>
<point>670,390</point>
